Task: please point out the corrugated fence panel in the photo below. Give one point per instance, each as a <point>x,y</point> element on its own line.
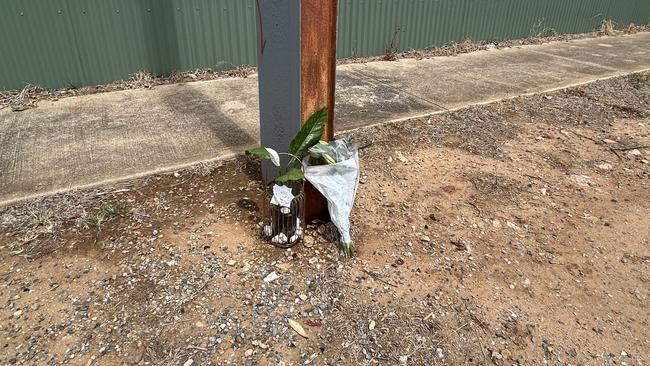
<point>58,43</point>
<point>366,28</point>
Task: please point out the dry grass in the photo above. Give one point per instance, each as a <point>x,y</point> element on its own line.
<point>406,332</point>
<point>202,169</point>
<point>36,225</point>
<point>456,48</point>
<point>242,71</point>
<point>608,28</point>
<point>539,35</point>
<point>23,99</point>
<point>105,214</point>
<point>633,29</point>
<point>639,80</point>
<point>391,49</point>
<point>28,97</point>
<point>141,80</point>
<point>539,31</point>
<point>398,335</point>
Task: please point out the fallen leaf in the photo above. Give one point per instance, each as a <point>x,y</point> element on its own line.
<point>298,328</point>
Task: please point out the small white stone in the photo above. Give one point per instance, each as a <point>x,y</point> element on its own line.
<point>271,277</point>
<point>268,230</point>
<point>279,239</point>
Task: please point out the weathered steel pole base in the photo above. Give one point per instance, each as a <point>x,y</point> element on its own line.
<point>297,73</point>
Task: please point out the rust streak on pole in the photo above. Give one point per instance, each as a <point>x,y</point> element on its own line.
<point>318,58</point>
<point>318,78</point>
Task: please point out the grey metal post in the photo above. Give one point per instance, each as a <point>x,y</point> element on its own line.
<point>297,66</point>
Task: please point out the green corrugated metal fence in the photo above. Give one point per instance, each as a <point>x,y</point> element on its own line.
<point>58,43</point>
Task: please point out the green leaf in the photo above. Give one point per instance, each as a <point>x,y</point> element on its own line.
<point>259,152</point>
<point>291,176</point>
<point>265,153</point>
<point>309,134</point>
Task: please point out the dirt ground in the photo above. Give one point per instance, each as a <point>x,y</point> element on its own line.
<point>515,233</point>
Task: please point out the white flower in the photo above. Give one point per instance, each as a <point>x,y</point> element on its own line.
<point>282,196</point>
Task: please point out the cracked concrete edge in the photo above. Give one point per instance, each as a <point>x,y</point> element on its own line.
<point>227,157</point>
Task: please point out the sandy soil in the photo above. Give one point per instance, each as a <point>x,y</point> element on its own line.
<point>512,233</point>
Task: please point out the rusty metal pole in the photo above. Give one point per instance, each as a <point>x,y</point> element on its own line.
<point>318,76</point>
<point>297,74</point>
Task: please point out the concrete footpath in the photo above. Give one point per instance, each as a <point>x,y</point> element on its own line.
<point>88,140</point>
